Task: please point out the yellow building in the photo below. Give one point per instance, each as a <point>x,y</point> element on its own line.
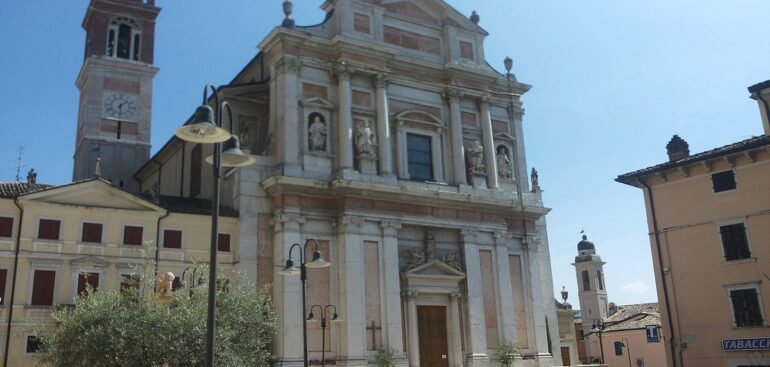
<point>56,239</point>
<point>709,222</point>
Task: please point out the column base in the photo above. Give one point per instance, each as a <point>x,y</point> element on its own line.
<point>477,360</point>
<point>348,174</point>
<point>289,362</point>
<point>292,170</point>
<point>479,180</point>
<point>353,362</point>
<point>367,164</point>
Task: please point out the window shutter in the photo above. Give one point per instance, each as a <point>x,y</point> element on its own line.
<point>6,227</point>
<point>223,243</point>
<point>86,279</point>
<point>3,279</point>
<point>92,232</point>
<point>43,288</point>
<point>48,229</point>
<point>752,308</point>
<point>132,235</point>
<point>172,239</point>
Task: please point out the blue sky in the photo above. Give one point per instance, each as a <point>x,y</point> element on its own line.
<point>613,81</point>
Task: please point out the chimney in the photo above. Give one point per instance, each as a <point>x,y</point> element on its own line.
<point>32,177</point>
<point>677,149</point>
<point>761,93</point>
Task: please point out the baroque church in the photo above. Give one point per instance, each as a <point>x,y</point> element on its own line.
<point>382,133</point>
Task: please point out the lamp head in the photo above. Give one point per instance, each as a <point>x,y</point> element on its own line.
<point>232,155</point>
<point>508,64</point>
<point>564,293</point>
<point>318,261</point>
<point>335,317</point>
<point>202,129</point>
<point>311,317</point>
<point>289,269</point>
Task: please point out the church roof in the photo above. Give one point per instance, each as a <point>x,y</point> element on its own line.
<point>755,142</point>
<point>759,86</point>
<point>12,190</point>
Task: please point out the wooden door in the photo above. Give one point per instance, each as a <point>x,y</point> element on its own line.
<point>565,356</point>
<point>431,322</point>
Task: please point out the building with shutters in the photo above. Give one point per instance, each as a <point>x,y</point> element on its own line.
<point>709,222</point>
<point>382,133</point>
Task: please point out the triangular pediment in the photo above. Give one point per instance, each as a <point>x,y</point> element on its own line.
<point>433,12</point>
<point>412,10</point>
<point>434,268</point>
<point>504,136</point>
<point>317,102</point>
<point>92,193</point>
<point>90,262</point>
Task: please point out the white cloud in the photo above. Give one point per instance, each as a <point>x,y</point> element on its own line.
<point>635,287</point>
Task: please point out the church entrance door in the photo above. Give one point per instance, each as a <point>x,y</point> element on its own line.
<point>431,322</point>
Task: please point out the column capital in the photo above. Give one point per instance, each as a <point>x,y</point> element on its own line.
<point>287,218</point>
<point>348,221</point>
<point>410,295</point>
<point>469,233</point>
<point>484,102</point>
<point>455,297</point>
<point>381,81</point>
<point>287,64</point>
<point>343,71</point>
<point>506,235</point>
<point>390,224</point>
<point>453,95</point>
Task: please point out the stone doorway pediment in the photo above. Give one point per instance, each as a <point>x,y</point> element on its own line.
<point>435,270</point>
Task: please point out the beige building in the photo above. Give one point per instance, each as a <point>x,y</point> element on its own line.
<point>630,336</point>
<point>709,222</point>
<point>54,240</point>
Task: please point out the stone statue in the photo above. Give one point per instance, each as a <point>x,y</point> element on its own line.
<point>316,133</point>
<point>32,177</point>
<point>476,158</point>
<point>416,257</point>
<point>504,167</point>
<point>165,284</point>
<point>243,135</point>
<point>366,140</point>
<point>451,259</point>
<point>430,245</point>
<point>535,183</point>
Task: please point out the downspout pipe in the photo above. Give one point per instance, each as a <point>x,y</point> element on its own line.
<point>157,240</point>
<point>13,284</point>
<point>656,232</point>
<point>766,104</point>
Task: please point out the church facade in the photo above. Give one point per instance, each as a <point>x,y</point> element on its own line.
<point>384,135</point>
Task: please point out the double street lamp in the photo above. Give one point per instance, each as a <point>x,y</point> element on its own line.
<point>317,262</point>
<point>324,311</point>
<point>206,128</point>
<point>598,327</point>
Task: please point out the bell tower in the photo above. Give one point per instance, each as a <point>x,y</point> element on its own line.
<point>115,84</point>
<point>592,292</point>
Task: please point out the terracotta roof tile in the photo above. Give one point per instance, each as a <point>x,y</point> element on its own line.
<point>630,317</point>
<point>11,190</point>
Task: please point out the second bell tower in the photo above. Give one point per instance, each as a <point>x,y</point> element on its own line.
<point>115,84</point>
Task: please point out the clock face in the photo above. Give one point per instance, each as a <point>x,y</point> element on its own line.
<point>120,106</point>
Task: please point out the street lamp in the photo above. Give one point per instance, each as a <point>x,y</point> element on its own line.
<point>206,128</point>
<point>318,262</point>
<point>597,327</point>
<point>335,317</point>
<point>626,344</point>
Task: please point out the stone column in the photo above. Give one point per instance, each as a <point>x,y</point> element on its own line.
<point>288,128</point>
<point>476,345</point>
<point>383,127</point>
<point>488,141</point>
<point>456,128</point>
<point>345,95</point>
<point>352,302</point>
<point>414,334</point>
<point>507,316</point>
<point>455,346</point>
<point>392,304</point>
<point>533,264</point>
<point>287,294</point>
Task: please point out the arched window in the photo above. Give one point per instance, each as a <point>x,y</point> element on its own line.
<point>599,281</point>
<point>586,281</point>
<point>123,39</point>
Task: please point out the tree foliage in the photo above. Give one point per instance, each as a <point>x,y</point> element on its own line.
<point>126,329</point>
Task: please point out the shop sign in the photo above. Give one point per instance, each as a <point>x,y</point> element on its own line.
<point>729,345</point>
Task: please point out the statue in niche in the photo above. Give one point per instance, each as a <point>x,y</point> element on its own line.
<point>430,245</point>
<point>243,135</point>
<point>416,258</point>
<point>504,167</point>
<point>534,177</point>
<point>366,140</point>
<point>165,284</point>
<point>475,155</point>
<point>316,132</point>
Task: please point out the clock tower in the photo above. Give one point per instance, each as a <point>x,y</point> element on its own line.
<point>115,84</point>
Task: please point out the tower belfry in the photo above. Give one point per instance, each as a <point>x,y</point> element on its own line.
<point>115,84</point>
<point>592,292</point>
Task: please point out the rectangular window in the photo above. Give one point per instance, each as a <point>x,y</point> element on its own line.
<point>43,287</point>
<point>3,279</point>
<point>723,181</point>
<point>419,157</point>
<point>85,280</point>
<point>361,23</point>
<point>653,333</point>
<point>48,229</point>
<point>6,227</point>
<point>746,307</point>
<point>92,232</point>
<point>466,50</point>
<point>734,242</point>
<point>132,235</point>
<point>34,344</point>
<point>172,239</point>
<point>619,348</point>
<point>223,244</point>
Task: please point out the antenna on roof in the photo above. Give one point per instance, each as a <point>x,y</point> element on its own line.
<point>19,162</point>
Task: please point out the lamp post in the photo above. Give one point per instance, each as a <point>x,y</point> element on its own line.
<point>628,349</point>
<point>206,128</point>
<point>597,327</point>
<point>335,317</point>
<point>318,262</point>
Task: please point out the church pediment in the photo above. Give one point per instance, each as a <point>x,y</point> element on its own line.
<point>317,102</point>
<point>434,269</point>
<point>411,10</point>
<point>433,12</point>
<point>92,193</point>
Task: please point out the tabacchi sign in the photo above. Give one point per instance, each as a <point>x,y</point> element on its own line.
<point>745,344</point>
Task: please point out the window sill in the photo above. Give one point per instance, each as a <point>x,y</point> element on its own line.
<point>131,245</point>
<point>751,327</point>
<point>740,261</point>
<point>39,307</point>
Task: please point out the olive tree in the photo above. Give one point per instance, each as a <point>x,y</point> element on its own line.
<point>112,328</point>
